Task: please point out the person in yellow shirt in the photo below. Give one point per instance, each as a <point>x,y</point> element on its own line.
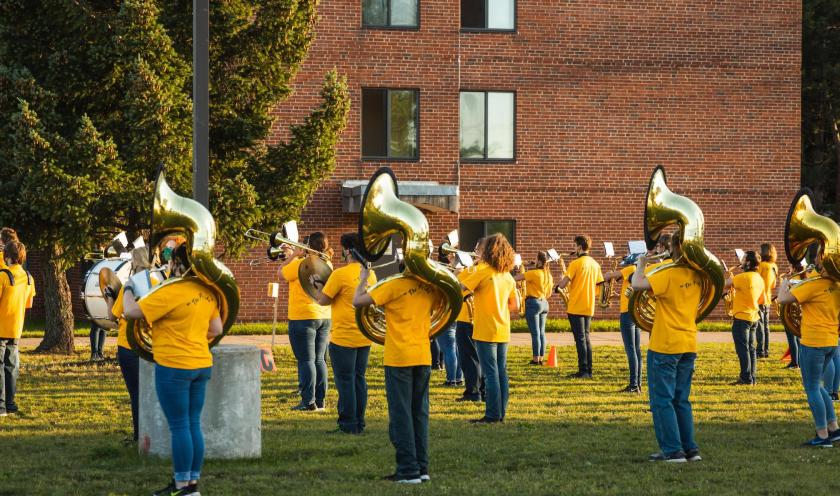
<point>407,303</point>
<point>447,343</point>
<point>538,285</point>
<point>349,348</point>
<point>768,270</point>
<point>17,289</point>
<point>819,302</point>
<point>630,332</point>
<point>184,318</point>
<point>581,278</point>
<point>749,293</point>
<point>494,296</point>
<point>309,329</point>
<point>7,235</point>
<point>672,352</point>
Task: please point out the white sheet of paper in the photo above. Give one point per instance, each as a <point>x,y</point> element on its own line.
<point>517,260</point>
<point>740,254</point>
<point>553,255</point>
<point>291,231</point>
<point>609,249</point>
<point>464,259</point>
<point>452,238</point>
<point>637,246</point>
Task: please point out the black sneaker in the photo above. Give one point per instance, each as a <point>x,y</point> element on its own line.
<point>535,362</point>
<point>485,420</point>
<point>678,457</point>
<point>834,435</point>
<point>467,398</point>
<point>818,442</point>
<point>792,366</point>
<point>171,490</point>
<point>834,397</point>
<point>693,455</point>
<point>300,407</point>
<point>403,479</point>
<point>741,382</point>
<point>424,476</point>
<point>630,389</point>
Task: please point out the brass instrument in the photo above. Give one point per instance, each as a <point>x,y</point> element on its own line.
<point>563,292</point>
<point>803,228</point>
<point>278,241</point>
<point>608,289</point>
<point>521,287</point>
<point>176,215</point>
<point>383,214</point>
<point>790,314</point>
<point>664,208</point>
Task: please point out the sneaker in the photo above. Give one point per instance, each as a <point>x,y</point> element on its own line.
<point>4,414</point>
<point>450,384</point>
<point>740,382</point>
<point>792,366</point>
<point>631,389</point>
<point>424,477</point>
<point>319,408</point>
<point>171,490</point>
<point>300,407</point>
<point>459,383</point>
<point>403,479</point>
<point>834,435</point>
<point>818,442</point>
<point>693,455</point>
<point>485,420</point>
<point>581,375</point>
<point>467,398</point>
<point>535,362</point>
<point>678,457</point>
<point>834,397</point>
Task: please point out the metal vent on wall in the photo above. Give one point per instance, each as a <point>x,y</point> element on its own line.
<point>427,195</point>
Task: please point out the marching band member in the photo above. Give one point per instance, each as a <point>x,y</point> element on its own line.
<point>819,302</point>
<point>7,235</point>
<point>582,277</point>
<point>494,297</point>
<point>768,269</point>
<point>17,289</point>
<point>749,293</point>
<point>407,303</point>
<point>630,332</point>
<point>671,355</point>
<point>447,344</point>
<point>538,285</point>
<point>309,329</point>
<point>184,317</point>
<point>349,348</point>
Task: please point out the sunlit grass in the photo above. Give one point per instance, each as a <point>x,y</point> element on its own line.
<point>562,436</point>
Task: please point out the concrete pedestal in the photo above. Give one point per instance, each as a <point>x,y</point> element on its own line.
<point>230,420</point>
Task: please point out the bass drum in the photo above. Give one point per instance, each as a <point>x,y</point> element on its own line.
<point>94,301</point>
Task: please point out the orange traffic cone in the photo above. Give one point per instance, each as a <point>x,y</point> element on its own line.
<point>552,357</point>
<point>786,357</point>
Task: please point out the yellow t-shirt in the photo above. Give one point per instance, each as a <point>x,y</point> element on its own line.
<point>820,304</point>
<point>2,261</point>
<point>407,303</point>
<point>122,324</point>
<point>749,289</point>
<point>768,271</point>
<point>678,293</point>
<point>14,300</point>
<point>301,306</point>
<point>623,300</point>
<point>584,274</point>
<point>341,286</point>
<point>464,314</point>
<point>492,291</point>
<point>538,283</point>
<point>180,315</point>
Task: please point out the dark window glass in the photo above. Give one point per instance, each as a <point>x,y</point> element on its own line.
<point>474,14</point>
<point>488,14</point>
<point>375,12</point>
<point>390,13</point>
<point>470,231</point>
<point>374,123</point>
<point>389,123</point>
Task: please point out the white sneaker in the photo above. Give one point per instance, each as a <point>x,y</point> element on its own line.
<point>425,478</point>
<point>408,481</point>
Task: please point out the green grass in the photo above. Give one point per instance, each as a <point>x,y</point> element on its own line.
<point>562,436</point>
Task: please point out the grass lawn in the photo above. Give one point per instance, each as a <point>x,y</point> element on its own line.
<point>562,436</point>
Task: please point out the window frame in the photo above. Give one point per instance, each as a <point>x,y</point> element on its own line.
<point>484,223</point>
<point>487,10</point>
<point>486,159</point>
<point>389,26</point>
<point>374,158</point>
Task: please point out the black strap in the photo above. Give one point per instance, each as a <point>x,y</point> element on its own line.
<point>9,273</point>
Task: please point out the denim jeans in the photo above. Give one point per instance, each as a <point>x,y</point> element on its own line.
<point>349,367</point>
<point>631,336</point>
<point>97,339</point>
<point>130,366</point>
<point>181,396</point>
<point>812,364</point>
<point>437,354</point>
<point>446,341</point>
<point>468,359</point>
<point>669,387</point>
<point>309,339</point>
<point>793,346</point>
<point>493,358</point>
<point>762,331</point>
<point>743,334</point>
<point>536,313</point>
<point>407,392</point>
<point>831,376</point>
<point>10,366</point>
<point>580,329</point>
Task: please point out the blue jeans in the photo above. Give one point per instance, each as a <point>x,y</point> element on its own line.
<point>580,330</point>
<point>812,364</point>
<point>669,387</point>
<point>407,392</point>
<point>793,346</point>
<point>468,360</point>
<point>831,376</point>
<point>536,313</point>
<point>446,341</point>
<point>743,334</point>
<point>493,358</point>
<point>762,331</point>
<point>130,366</point>
<point>631,336</point>
<point>9,368</point>
<point>181,396</point>
<point>97,339</point>
<point>349,367</point>
<point>309,339</point>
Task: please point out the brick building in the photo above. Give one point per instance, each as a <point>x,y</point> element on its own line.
<point>544,118</point>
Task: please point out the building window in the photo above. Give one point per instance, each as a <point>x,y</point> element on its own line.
<point>470,231</point>
<point>487,125</point>
<point>390,13</point>
<point>389,123</point>
<point>488,14</point>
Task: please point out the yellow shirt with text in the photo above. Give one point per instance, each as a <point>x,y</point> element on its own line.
<point>14,300</point>
<point>820,304</point>
<point>407,303</point>
<point>538,283</point>
<point>301,306</point>
<point>180,315</point>
<point>623,300</point>
<point>768,271</point>
<point>678,293</point>
<point>340,287</point>
<point>749,291</point>
<point>492,292</point>
<point>584,274</point>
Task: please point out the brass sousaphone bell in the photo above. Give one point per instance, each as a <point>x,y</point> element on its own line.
<point>382,215</point>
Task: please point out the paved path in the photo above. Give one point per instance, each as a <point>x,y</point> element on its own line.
<point>517,339</point>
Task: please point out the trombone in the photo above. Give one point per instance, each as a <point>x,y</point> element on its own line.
<point>278,241</point>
